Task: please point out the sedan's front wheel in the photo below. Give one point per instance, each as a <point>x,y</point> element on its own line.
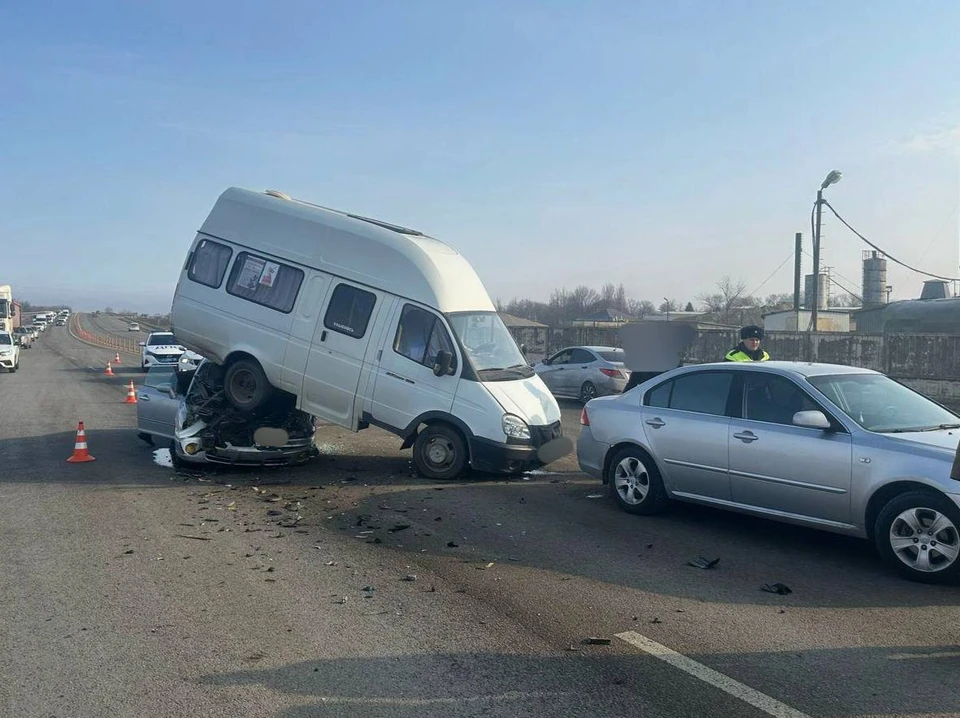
<point>635,481</point>
<point>918,534</point>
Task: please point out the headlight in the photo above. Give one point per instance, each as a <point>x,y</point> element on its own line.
<point>515,427</point>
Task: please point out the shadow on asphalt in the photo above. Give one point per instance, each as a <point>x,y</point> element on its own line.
<point>510,685</point>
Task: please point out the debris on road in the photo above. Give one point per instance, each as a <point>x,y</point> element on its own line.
<point>398,527</point>
<point>451,544</point>
<point>778,588</point>
<point>594,496</point>
<point>596,641</point>
<point>195,538</point>
<point>704,563</point>
<point>409,577</point>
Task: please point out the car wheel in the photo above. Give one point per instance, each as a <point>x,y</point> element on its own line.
<point>587,392</point>
<point>918,534</point>
<point>440,452</point>
<point>635,482</point>
<point>246,385</point>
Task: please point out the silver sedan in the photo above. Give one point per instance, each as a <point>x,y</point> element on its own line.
<point>584,372</point>
<point>831,447</point>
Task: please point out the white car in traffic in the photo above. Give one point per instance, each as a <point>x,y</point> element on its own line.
<point>9,352</point>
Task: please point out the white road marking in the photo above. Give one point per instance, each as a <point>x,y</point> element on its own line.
<point>759,700</point>
<point>908,656</point>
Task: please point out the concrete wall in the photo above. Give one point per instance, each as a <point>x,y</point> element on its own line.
<point>929,363</point>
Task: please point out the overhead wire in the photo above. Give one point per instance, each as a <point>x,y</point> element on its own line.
<point>772,274</point>
<point>887,254</point>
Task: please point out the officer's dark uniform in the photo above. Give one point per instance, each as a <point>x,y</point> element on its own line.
<point>741,353</point>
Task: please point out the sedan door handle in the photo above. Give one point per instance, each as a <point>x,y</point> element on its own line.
<point>746,436</point>
<point>656,423</point>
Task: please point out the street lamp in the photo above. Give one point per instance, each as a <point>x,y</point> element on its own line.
<point>830,179</point>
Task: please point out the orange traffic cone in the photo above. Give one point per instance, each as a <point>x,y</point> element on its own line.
<point>131,394</point>
<point>116,359</point>
<point>109,371</point>
<point>80,453</point>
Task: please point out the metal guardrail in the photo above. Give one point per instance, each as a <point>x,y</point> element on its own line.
<point>127,346</point>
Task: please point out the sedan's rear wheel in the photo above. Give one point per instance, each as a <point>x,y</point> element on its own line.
<point>918,534</point>
<point>588,391</point>
<point>635,482</point>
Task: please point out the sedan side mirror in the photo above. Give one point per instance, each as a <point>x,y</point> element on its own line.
<point>143,344</point>
<point>811,420</point>
<point>443,363</point>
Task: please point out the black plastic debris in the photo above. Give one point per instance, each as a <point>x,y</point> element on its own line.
<point>704,563</point>
<point>778,588</point>
<point>452,544</point>
<point>369,589</point>
<point>596,641</point>
<point>410,577</point>
<point>398,527</point>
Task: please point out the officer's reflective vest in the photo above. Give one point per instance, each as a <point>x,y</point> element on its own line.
<point>740,355</point>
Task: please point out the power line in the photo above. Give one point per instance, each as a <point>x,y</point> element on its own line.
<point>789,257</point>
<point>834,271</point>
<point>886,254</point>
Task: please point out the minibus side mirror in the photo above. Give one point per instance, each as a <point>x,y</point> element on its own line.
<point>443,363</point>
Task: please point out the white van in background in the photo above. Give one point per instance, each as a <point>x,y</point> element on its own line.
<point>366,323</point>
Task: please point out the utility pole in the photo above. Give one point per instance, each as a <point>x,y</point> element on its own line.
<point>816,263</point>
<point>831,178</point>
<point>797,271</point>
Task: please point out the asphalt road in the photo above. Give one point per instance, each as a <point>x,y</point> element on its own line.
<point>130,590</point>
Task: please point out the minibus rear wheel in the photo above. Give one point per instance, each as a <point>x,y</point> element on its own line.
<point>245,385</point>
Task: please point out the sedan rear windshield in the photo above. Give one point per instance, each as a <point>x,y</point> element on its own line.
<point>616,355</point>
<point>161,339</point>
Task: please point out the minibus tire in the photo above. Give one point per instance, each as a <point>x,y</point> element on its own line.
<point>246,375</point>
<point>440,452</point>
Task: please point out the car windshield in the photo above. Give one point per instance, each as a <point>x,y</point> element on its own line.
<point>6,339</point>
<point>489,346</point>
<point>156,340</point>
<point>878,403</point>
<point>614,355</point>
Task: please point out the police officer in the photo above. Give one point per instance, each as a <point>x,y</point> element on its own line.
<point>749,347</point>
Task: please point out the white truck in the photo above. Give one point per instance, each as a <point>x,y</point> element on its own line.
<point>7,313</point>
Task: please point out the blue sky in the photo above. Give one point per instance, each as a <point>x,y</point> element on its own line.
<point>662,145</point>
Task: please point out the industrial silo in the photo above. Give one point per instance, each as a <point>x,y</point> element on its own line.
<point>823,299</point>
<point>874,278</point>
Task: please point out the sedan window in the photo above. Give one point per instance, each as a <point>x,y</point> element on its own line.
<point>581,356</point>
<point>702,392</point>
<point>774,399</point>
<point>559,358</point>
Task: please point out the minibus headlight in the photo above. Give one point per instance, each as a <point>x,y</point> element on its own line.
<point>515,427</point>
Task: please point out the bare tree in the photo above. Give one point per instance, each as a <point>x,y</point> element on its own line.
<point>640,309</point>
<point>846,300</point>
<point>726,303</point>
<point>669,305</point>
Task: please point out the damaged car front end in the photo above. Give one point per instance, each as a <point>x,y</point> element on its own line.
<point>204,428</point>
